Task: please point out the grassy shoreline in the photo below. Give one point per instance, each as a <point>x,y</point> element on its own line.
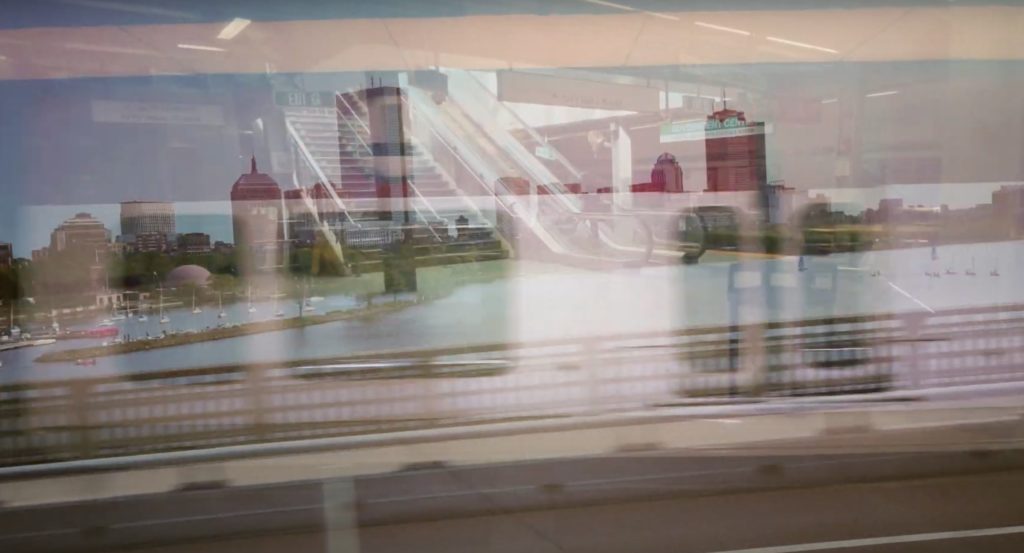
<point>221,333</point>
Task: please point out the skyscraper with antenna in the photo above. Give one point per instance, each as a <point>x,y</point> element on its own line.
<point>734,151</point>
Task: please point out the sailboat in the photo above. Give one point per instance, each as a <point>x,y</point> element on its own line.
<point>220,303</point>
<point>252,308</point>
<point>163,318</point>
<point>278,313</point>
<point>307,303</point>
<point>949,269</point>
<point>195,310</point>
<point>970,272</point>
<point>15,332</point>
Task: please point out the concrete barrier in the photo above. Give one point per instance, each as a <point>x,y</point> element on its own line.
<point>678,429</point>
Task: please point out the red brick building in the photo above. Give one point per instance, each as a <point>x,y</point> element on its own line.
<point>257,214</point>
<point>735,152</point>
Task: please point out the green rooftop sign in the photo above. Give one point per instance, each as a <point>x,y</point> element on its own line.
<point>304,99</point>
<point>682,131</point>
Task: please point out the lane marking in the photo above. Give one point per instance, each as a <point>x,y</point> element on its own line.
<point>886,540</point>
<point>910,297</point>
<point>578,484</point>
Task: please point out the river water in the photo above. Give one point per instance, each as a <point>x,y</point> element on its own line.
<point>536,302</point>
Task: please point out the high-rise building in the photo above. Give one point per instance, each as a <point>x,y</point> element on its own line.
<point>387,115</point>
<point>6,254</point>
<point>735,152</point>
<point>257,214</point>
<point>82,233</point>
<point>140,217</point>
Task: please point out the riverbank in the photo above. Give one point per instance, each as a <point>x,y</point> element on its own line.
<point>26,344</point>
<point>221,333</point>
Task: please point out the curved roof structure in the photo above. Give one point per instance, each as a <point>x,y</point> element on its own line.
<point>187,275</point>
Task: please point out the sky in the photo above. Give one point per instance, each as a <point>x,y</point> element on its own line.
<point>932,132</point>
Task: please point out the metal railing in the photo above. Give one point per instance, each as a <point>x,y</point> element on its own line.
<point>480,105</point>
<point>373,393</point>
<point>529,130</point>
<point>412,185</point>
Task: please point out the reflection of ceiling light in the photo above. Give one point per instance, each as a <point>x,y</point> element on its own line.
<point>105,48</point>
<point>201,47</point>
<point>611,5</point>
<point>232,29</point>
<point>830,100</point>
<point>3,57</point>
<point>801,44</point>
<point>128,7</point>
<point>721,28</point>
<point>630,9</point>
<point>883,93</point>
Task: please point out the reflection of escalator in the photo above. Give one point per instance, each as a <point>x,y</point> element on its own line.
<point>545,214</point>
<point>664,236</point>
<point>451,133</point>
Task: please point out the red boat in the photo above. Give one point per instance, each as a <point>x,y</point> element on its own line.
<point>102,332</point>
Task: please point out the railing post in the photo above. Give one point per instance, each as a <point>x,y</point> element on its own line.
<point>591,354</point>
<point>340,515</point>
<point>81,419</point>
<point>912,326</point>
<point>255,380</point>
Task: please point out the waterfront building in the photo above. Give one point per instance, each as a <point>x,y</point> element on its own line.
<point>82,233</point>
<point>258,217</point>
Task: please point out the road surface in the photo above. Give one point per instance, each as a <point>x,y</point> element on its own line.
<point>632,502</point>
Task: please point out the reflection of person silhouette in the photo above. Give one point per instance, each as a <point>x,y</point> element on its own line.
<point>461,226</point>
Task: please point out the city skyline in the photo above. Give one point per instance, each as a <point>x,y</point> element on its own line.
<point>214,217</point>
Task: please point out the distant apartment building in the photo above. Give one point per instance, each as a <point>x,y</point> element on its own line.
<point>666,176</point>
<point>194,242</point>
<point>223,247</point>
<point>307,208</point>
<point>140,217</point>
<point>6,254</point>
<point>82,233</point>
<point>149,242</point>
<point>889,210</point>
<point>1008,209</point>
<point>785,203</point>
<point>147,226</point>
